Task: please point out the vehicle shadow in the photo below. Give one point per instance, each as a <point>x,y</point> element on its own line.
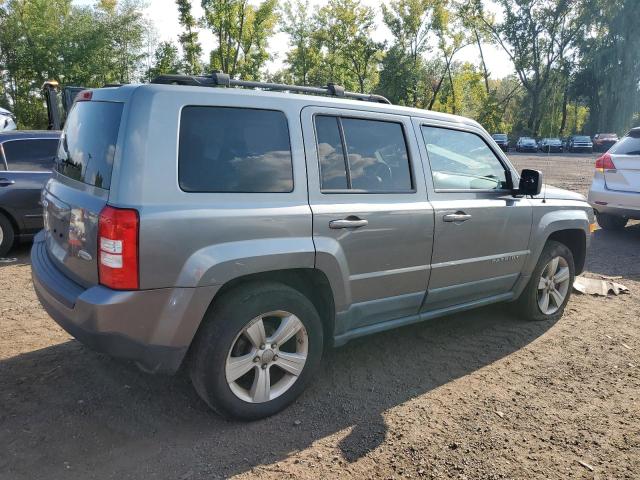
<point>73,413</point>
<point>616,253</point>
<point>18,255</point>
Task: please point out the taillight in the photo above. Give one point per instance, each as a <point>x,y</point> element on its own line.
<point>605,163</point>
<point>118,248</point>
<point>84,96</point>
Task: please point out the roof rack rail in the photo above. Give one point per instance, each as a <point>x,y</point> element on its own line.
<point>218,79</point>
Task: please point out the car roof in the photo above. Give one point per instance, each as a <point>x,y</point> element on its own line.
<point>29,134</point>
<point>125,92</point>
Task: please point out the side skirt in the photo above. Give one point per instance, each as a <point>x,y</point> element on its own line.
<point>342,339</point>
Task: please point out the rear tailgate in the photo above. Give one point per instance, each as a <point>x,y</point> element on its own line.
<point>79,188</point>
<point>626,158</point>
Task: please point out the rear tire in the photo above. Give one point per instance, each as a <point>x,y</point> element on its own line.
<point>7,235</point>
<point>531,301</point>
<point>611,222</point>
<point>241,334</point>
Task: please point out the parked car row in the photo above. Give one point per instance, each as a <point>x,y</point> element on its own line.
<point>575,143</point>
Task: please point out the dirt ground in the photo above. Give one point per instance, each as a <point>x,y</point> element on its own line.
<point>480,395</point>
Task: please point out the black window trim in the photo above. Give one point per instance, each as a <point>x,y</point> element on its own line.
<point>5,162</point>
<point>498,191</point>
<point>293,171</point>
<point>345,154</point>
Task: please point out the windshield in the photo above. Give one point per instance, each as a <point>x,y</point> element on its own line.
<point>88,142</point>
<point>528,141</point>
<point>499,136</point>
<point>582,139</point>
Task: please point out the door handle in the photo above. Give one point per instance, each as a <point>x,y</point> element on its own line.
<point>5,182</point>
<point>349,222</point>
<point>456,217</point>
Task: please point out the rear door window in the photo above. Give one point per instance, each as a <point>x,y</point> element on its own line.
<point>30,155</point>
<point>88,143</point>
<point>629,145</point>
<point>243,150</point>
<point>376,157</point>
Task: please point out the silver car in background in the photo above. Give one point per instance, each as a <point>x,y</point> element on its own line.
<point>615,190</point>
<point>7,121</point>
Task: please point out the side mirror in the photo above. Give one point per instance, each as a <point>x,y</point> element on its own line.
<point>530,182</point>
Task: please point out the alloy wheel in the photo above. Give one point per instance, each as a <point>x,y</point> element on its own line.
<point>267,357</point>
<point>553,285</point>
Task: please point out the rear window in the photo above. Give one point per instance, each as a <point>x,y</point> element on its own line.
<point>629,145</point>
<point>88,143</point>
<point>30,155</point>
<point>225,149</point>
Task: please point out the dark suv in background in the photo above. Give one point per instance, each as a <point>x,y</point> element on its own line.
<point>502,140</point>
<point>26,158</point>
<point>579,143</point>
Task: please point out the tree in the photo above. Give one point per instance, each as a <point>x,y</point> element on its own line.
<point>55,40</point>
<point>608,76</point>
<point>403,70</point>
<point>242,32</point>
<point>303,58</point>
<point>344,29</point>
<point>472,13</point>
<point>535,34</point>
<point>451,39</point>
<point>192,50</point>
<point>166,60</point>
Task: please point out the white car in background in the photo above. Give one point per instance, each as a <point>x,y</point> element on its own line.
<point>7,121</point>
<point>615,190</point>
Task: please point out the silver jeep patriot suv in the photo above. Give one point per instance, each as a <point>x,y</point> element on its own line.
<point>239,231</point>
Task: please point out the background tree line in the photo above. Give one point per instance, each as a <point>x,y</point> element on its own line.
<point>575,61</point>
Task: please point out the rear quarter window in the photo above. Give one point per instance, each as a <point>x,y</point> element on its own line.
<point>243,150</point>
<point>88,143</point>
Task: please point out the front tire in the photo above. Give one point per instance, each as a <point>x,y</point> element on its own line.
<point>549,288</point>
<point>7,235</point>
<point>260,346</point>
<point>611,222</point>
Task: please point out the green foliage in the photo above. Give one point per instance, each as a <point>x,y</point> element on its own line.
<point>166,61</point>
<point>576,63</point>
<point>304,59</point>
<point>189,38</point>
<point>536,34</point>
<point>241,31</point>
<point>608,75</point>
<point>405,76</point>
<point>55,40</point>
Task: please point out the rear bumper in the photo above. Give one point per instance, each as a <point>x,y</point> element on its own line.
<point>151,327</point>
<point>622,204</point>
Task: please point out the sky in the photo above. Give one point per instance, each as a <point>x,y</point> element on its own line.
<point>164,16</point>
